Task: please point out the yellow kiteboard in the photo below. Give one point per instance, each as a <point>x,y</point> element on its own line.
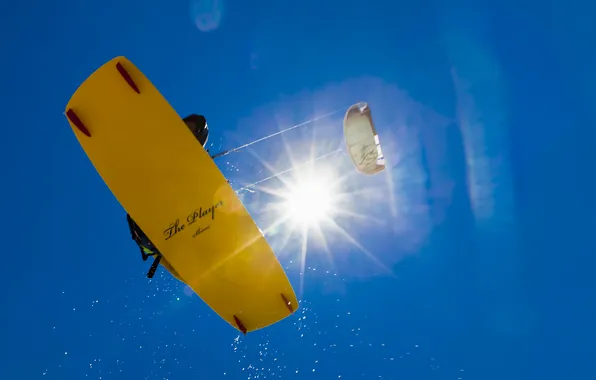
<point>171,187</point>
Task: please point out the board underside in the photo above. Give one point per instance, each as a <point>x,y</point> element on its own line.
<point>171,187</point>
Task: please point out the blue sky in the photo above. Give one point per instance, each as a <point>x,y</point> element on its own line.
<point>484,216</point>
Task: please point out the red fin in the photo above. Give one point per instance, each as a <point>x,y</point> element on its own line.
<point>72,116</point>
<point>288,303</point>
<point>127,77</point>
<point>240,325</point>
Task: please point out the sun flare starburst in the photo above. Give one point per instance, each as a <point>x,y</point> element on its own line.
<point>309,202</point>
<point>314,200</point>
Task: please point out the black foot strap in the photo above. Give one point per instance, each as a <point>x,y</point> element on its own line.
<point>154,266</point>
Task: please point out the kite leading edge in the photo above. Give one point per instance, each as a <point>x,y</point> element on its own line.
<point>362,140</point>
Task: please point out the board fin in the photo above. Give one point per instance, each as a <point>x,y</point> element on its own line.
<point>288,303</point>
<point>126,75</point>
<point>72,116</point>
<point>240,325</point>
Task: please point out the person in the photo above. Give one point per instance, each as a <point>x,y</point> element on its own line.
<point>197,124</point>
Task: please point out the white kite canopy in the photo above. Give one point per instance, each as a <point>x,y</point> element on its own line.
<point>362,140</point>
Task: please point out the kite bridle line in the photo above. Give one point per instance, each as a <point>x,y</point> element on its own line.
<point>247,187</point>
<point>226,152</point>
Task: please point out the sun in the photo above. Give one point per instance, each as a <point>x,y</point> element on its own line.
<point>314,203</point>
<point>309,202</point>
